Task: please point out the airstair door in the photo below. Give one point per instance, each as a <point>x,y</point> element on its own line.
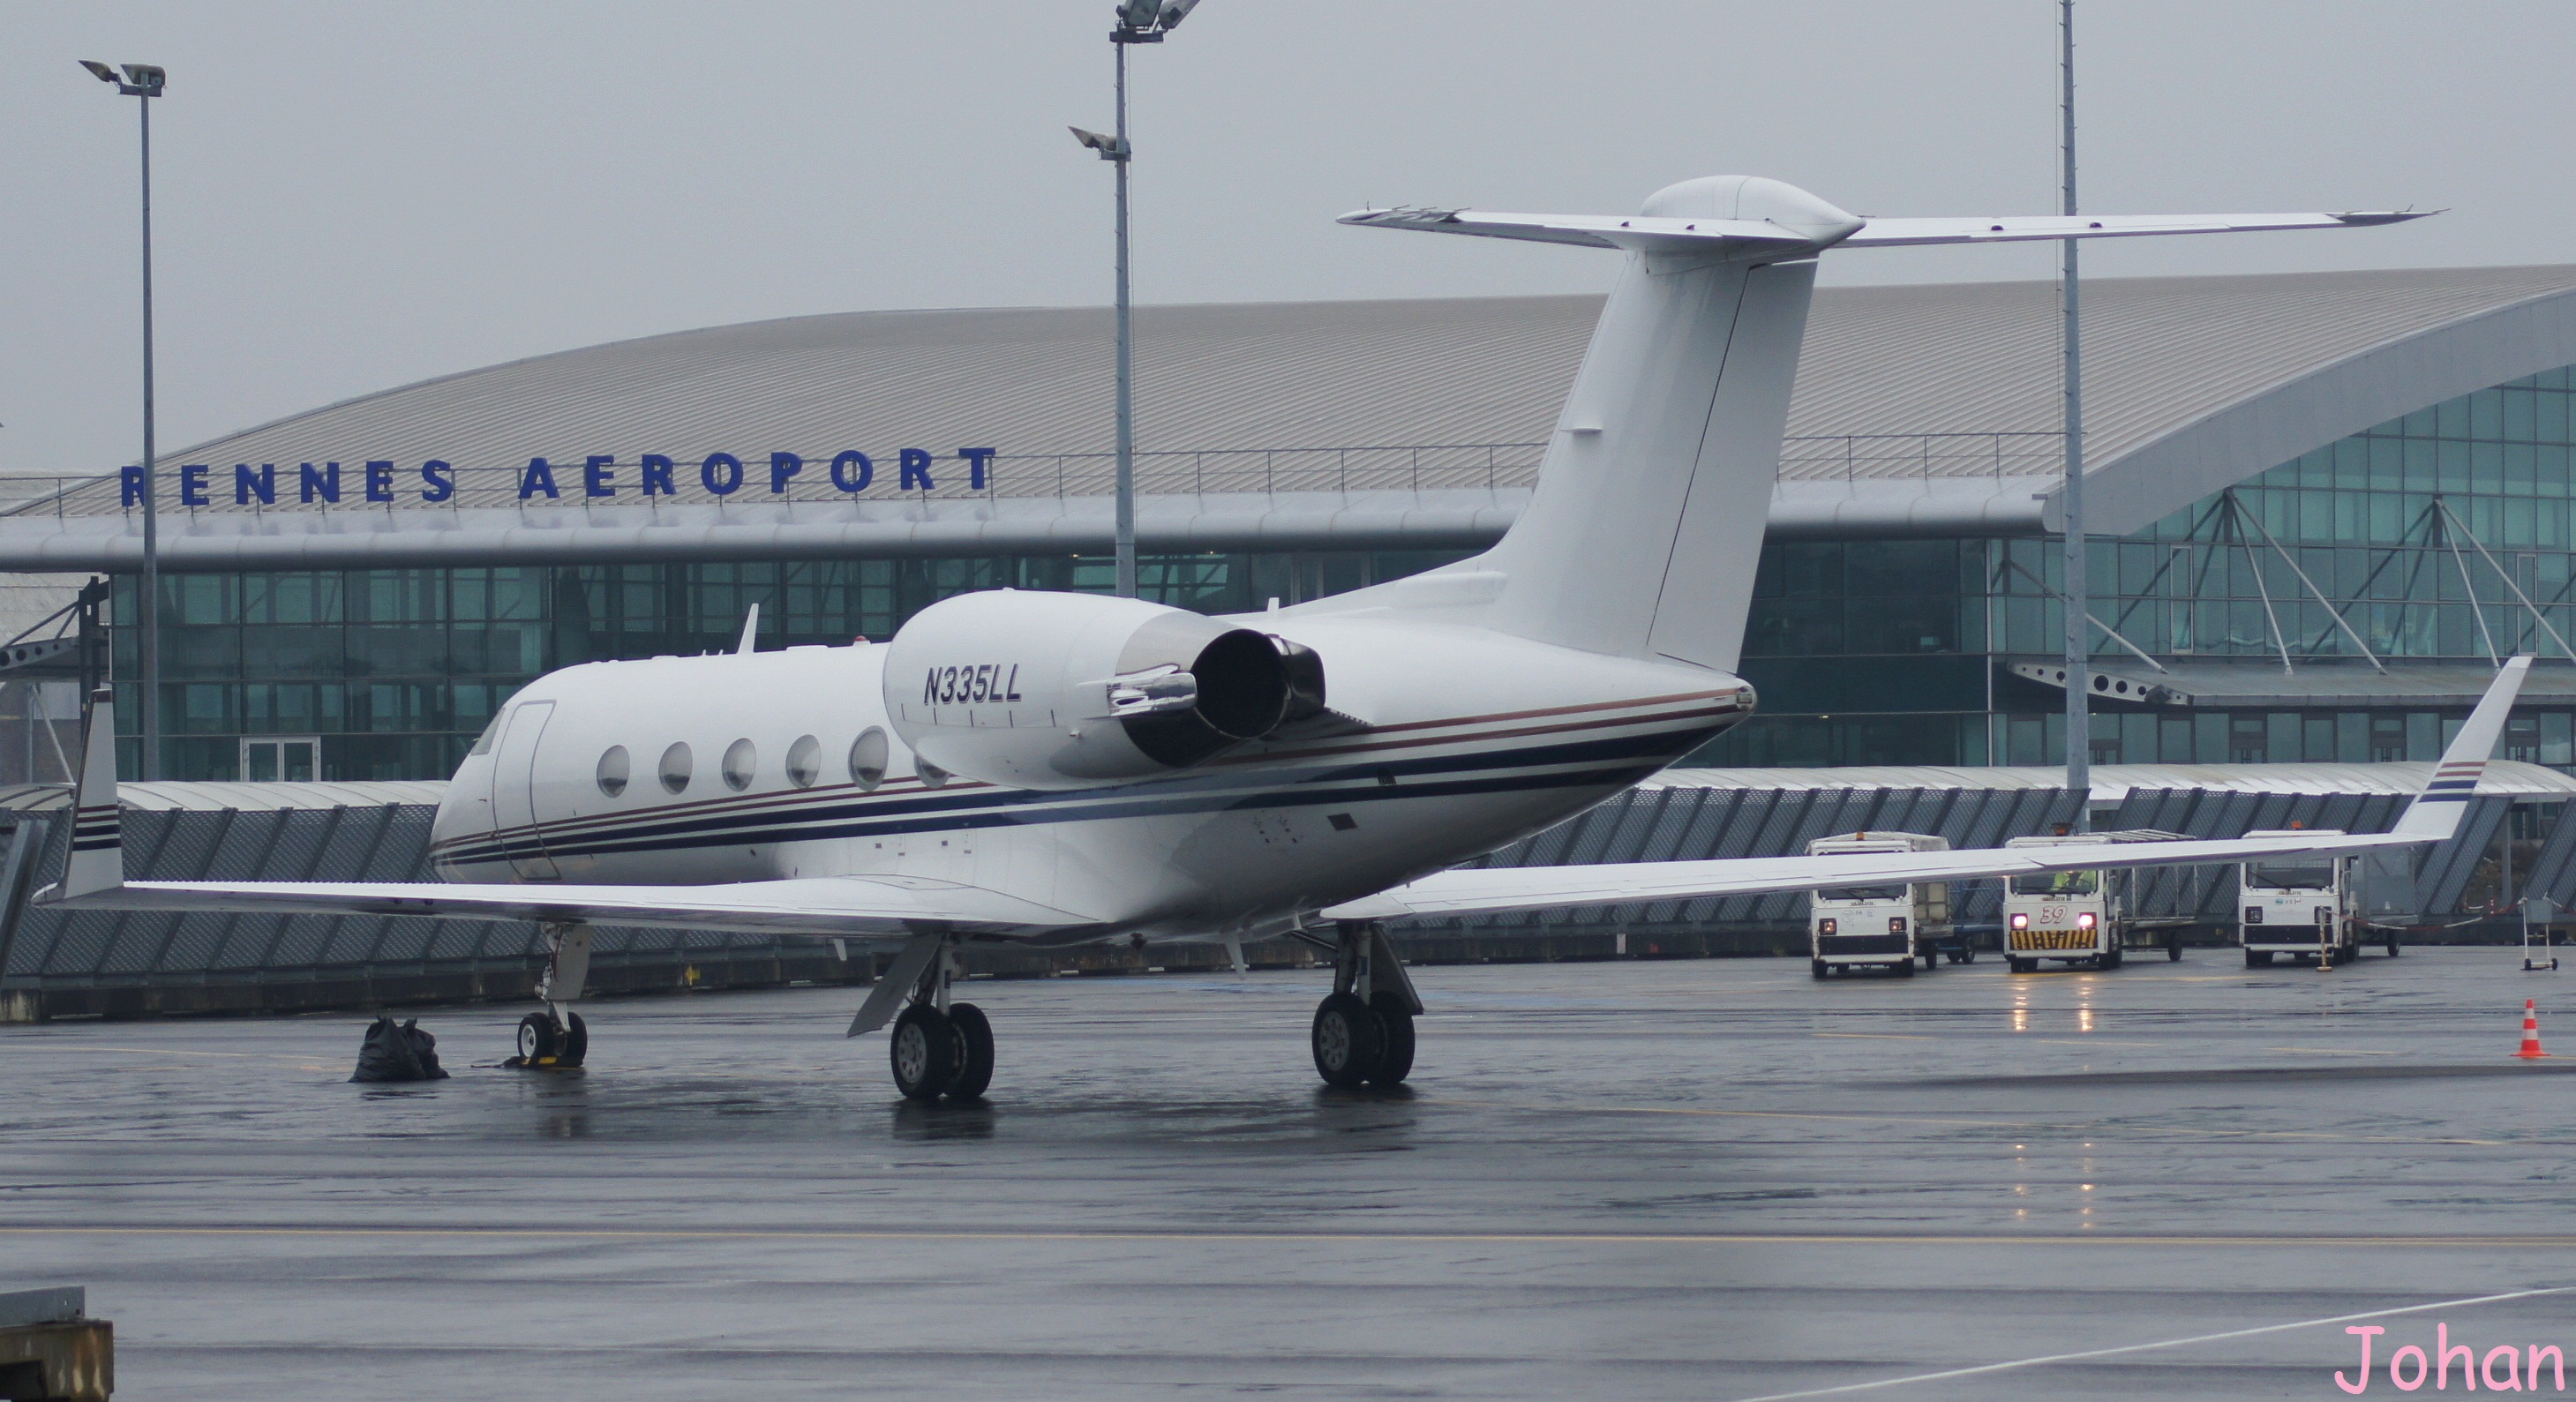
<point>514,800</point>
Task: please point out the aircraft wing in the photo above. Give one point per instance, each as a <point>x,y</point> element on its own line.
<point>2432,817</point>
<point>820,906</point>
<point>1490,890</point>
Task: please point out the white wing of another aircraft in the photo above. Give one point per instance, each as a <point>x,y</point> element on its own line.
<point>2432,817</point>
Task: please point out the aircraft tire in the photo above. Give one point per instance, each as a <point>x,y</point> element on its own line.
<point>1395,1053</point>
<point>1348,1040</point>
<point>923,1052</point>
<point>540,1041</point>
<point>974,1052</point>
<point>576,1041</point>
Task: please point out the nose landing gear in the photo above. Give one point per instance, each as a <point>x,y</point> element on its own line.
<point>1363,1030</point>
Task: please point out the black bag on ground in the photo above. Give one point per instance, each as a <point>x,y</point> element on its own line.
<point>398,1052</point>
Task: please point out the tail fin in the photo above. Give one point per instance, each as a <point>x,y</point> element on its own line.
<point>97,861</point>
<point>1647,524</point>
<point>2435,813</point>
<point>1652,500</point>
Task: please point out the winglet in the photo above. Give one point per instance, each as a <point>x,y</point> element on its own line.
<point>97,861</point>
<point>2435,813</point>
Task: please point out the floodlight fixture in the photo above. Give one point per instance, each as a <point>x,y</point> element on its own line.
<point>147,79</point>
<point>1109,147</point>
<point>1138,14</point>
<point>100,71</point>
<point>1174,11</point>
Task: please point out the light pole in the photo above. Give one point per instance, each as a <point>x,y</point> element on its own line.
<point>144,82</point>
<point>1139,22</point>
<point>2079,687</point>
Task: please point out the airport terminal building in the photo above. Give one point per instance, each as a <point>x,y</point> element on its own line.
<point>2322,504</point>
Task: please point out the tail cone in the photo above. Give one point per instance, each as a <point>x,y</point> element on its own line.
<point>2530,1032</point>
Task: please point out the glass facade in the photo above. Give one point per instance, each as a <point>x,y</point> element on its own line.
<point>396,671</point>
<point>2442,536</point>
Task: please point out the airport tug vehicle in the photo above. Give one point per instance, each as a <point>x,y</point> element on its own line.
<point>1880,926</point>
<point>2307,907</point>
<point>2080,916</point>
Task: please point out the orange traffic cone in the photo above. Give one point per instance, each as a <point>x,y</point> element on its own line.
<point>2530,1032</point>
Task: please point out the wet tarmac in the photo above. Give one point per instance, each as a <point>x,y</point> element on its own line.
<point>1710,1180</point>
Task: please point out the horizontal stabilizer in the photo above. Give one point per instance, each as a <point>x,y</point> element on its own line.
<point>1637,233</point>
<point>1774,238</point>
<point>1907,233</point>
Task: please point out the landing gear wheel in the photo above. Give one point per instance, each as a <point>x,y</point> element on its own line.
<point>924,1052</point>
<point>1395,1053</point>
<point>576,1041</point>
<point>1349,1040</point>
<point>974,1052</point>
<point>1818,968</point>
<point>540,1041</point>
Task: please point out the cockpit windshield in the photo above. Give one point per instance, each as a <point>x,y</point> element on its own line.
<point>1863,893</point>
<point>2057,883</point>
<point>2290,876</point>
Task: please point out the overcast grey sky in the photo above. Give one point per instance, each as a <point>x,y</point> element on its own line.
<point>350,197</point>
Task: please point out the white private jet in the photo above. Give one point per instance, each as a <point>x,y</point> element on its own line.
<point>1049,769</point>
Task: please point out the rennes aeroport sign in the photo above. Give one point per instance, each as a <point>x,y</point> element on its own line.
<point>600,475</point>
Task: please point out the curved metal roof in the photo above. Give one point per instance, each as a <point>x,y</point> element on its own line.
<point>1919,408</point>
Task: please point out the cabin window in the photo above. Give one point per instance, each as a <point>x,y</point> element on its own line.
<point>804,761</point>
<point>613,771</point>
<point>675,767</point>
<point>868,758</point>
<point>740,760</point>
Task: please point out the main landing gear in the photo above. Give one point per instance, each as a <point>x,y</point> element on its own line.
<point>1363,1032</point>
<point>554,1036</point>
<point>940,1047</point>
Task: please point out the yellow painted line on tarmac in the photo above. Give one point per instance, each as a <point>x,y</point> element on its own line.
<point>2271,1241</point>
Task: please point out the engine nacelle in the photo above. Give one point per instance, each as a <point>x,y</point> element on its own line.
<point>1067,691</point>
